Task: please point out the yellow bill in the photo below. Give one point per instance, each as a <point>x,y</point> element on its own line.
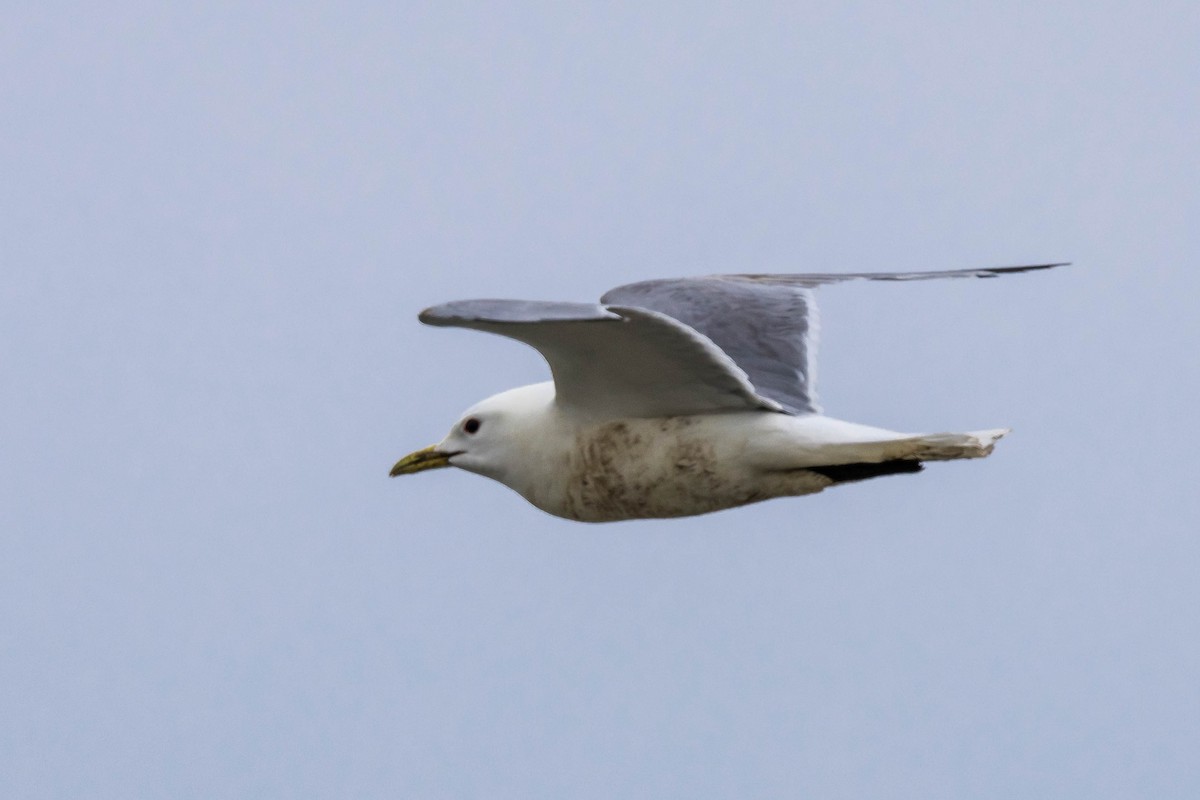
<point>429,458</point>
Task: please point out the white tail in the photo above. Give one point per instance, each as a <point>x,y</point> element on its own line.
<point>946,446</point>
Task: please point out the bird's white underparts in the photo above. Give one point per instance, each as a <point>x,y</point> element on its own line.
<point>675,397</point>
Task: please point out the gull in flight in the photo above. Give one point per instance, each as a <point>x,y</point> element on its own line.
<point>676,397</point>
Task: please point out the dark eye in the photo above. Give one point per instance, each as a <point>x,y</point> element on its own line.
<point>471,425</point>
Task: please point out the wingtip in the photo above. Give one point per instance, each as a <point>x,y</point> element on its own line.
<point>474,313</point>
<point>992,272</point>
<point>439,315</point>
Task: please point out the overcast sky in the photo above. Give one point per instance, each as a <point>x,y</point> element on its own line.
<point>218,222</point>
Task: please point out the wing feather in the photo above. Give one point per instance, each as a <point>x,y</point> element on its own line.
<point>615,362</point>
<point>768,323</point>
<point>768,330</point>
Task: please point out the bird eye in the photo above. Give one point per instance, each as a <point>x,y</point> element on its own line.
<point>471,425</point>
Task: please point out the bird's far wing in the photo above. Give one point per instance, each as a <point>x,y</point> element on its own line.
<point>767,323</point>
<point>614,362</point>
<point>768,330</point>
<point>817,278</point>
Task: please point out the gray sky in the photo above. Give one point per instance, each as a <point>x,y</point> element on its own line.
<point>218,224</point>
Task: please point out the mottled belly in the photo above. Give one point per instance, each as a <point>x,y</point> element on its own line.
<point>665,468</point>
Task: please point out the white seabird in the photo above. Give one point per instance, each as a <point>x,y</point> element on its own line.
<point>675,397</point>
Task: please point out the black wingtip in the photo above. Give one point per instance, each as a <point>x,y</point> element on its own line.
<point>991,272</point>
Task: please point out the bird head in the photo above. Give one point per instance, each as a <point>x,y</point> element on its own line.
<point>489,438</point>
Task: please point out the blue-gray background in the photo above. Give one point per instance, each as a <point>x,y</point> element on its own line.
<point>218,224</point>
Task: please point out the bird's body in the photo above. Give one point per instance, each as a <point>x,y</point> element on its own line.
<point>601,470</point>
<point>697,396</point>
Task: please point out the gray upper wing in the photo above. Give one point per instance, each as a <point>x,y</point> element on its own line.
<point>767,323</point>
<point>615,362</point>
<point>769,330</point>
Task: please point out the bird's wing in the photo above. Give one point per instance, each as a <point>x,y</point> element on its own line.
<point>818,278</point>
<point>766,323</point>
<point>615,362</point>
<point>768,330</point>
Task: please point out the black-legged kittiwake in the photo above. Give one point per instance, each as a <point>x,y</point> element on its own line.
<point>675,397</point>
